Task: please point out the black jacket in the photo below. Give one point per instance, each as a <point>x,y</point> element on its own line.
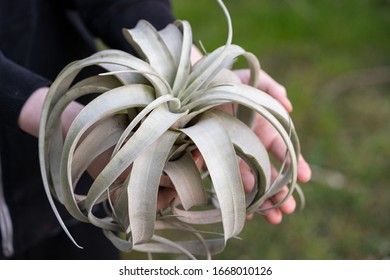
<point>37,39</point>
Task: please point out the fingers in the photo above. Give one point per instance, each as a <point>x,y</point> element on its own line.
<point>275,215</point>
<point>268,134</point>
<point>198,158</point>
<point>289,205</point>
<point>165,197</point>
<point>276,90</point>
<point>269,137</point>
<point>304,170</point>
<point>275,145</point>
<point>167,192</point>
<point>247,177</point>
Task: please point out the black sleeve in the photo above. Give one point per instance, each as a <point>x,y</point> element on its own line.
<point>107,18</point>
<point>16,85</point>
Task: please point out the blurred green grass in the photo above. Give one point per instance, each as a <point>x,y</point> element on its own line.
<point>334,59</point>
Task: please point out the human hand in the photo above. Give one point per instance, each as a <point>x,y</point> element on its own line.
<point>275,145</point>
<point>29,119</point>
<point>30,114</point>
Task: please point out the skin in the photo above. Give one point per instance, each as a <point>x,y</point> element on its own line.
<point>29,119</point>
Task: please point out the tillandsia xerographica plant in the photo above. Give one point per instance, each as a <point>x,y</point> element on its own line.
<point>152,113</point>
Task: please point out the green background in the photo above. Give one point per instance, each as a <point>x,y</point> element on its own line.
<point>334,59</point>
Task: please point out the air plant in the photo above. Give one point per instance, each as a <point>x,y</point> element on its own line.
<point>152,112</point>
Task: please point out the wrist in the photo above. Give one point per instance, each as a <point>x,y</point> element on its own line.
<point>30,114</point>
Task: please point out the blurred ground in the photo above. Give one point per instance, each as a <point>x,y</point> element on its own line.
<point>334,59</point>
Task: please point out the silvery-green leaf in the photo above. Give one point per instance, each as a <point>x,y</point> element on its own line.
<point>168,107</point>
<point>206,69</point>
<point>104,136</point>
<point>173,39</point>
<point>155,125</point>
<point>186,178</point>
<point>105,105</point>
<point>184,64</point>
<point>54,130</point>
<point>119,243</point>
<point>209,66</point>
<point>144,184</point>
<point>140,116</point>
<point>215,145</point>
<point>200,217</point>
<point>267,107</point>
<point>148,43</point>
<point>193,247</point>
<point>249,145</point>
